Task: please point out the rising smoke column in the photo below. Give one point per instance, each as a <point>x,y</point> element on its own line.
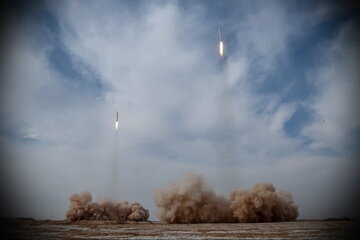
<point>192,201</point>
<point>82,208</point>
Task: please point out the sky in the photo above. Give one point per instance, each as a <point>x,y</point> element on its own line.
<point>279,108</point>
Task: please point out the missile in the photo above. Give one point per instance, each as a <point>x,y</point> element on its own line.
<point>221,44</point>
<point>117,121</point>
<point>220,33</point>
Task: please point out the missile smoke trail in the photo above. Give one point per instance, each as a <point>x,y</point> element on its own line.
<point>192,201</point>
<point>115,184</point>
<point>227,145</point>
<point>115,161</point>
<point>226,122</point>
<point>82,208</point>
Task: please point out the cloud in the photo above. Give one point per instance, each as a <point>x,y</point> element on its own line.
<point>32,134</point>
<point>179,110</point>
<point>337,84</point>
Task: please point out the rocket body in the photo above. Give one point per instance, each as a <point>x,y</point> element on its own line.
<point>220,34</point>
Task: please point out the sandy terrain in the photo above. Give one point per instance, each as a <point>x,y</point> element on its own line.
<point>30,229</point>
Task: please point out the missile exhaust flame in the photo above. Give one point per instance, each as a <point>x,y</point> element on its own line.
<point>221,49</point>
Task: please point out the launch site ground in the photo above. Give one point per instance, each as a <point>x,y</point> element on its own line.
<point>301,229</point>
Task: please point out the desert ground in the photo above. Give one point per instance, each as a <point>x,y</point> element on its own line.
<point>301,229</point>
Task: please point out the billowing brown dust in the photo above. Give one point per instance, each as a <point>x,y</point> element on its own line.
<point>82,208</point>
<point>192,201</point>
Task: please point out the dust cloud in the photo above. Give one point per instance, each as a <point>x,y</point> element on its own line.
<point>193,201</point>
<point>82,208</point>
<point>263,203</point>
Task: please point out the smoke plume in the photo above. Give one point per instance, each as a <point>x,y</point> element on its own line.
<point>192,201</point>
<point>82,208</point>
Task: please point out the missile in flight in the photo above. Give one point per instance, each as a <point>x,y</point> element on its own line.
<point>221,44</point>
<point>117,121</point>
